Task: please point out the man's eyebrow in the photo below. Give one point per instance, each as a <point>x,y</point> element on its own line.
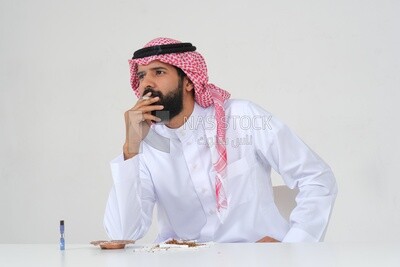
<point>152,69</point>
<point>159,68</point>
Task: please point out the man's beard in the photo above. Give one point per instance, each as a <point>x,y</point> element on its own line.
<point>172,102</point>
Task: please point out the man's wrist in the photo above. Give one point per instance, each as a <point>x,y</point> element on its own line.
<point>130,152</point>
<point>129,155</point>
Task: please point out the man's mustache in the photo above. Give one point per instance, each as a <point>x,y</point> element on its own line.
<point>154,93</point>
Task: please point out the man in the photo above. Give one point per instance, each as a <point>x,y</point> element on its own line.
<point>206,160</point>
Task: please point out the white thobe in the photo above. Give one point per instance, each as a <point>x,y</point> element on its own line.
<point>175,171</point>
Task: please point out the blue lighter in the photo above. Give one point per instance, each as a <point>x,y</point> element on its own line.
<point>62,241</point>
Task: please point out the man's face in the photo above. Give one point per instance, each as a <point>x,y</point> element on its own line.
<point>162,80</point>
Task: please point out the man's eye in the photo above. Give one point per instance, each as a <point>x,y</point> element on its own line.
<point>159,72</point>
<point>140,76</point>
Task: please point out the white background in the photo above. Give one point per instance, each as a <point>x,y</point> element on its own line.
<point>329,69</point>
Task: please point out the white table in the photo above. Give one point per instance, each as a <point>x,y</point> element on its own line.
<point>221,255</point>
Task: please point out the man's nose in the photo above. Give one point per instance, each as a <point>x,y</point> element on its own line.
<point>147,81</point>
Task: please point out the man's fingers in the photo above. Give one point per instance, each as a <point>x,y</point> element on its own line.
<point>146,104</point>
<point>147,101</point>
<point>137,116</point>
<point>147,109</point>
<point>267,239</point>
<point>146,96</point>
<point>149,117</point>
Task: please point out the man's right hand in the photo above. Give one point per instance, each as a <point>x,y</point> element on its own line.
<point>137,123</point>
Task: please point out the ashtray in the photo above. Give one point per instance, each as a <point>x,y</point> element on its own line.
<point>112,244</point>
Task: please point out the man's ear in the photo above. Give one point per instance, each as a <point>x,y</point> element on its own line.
<point>188,85</point>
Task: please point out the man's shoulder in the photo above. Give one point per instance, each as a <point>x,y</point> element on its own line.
<point>236,105</point>
<point>242,106</point>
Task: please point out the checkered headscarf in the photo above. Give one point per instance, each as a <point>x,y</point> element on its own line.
<point>206,94</point>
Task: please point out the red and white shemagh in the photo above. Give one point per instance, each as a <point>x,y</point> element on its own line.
<point>206,94</point>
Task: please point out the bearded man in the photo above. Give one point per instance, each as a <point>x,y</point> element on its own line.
<point>184,152</point>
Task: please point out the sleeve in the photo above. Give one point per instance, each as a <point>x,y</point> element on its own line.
<point>299,167</point>
<point>131,200</point>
